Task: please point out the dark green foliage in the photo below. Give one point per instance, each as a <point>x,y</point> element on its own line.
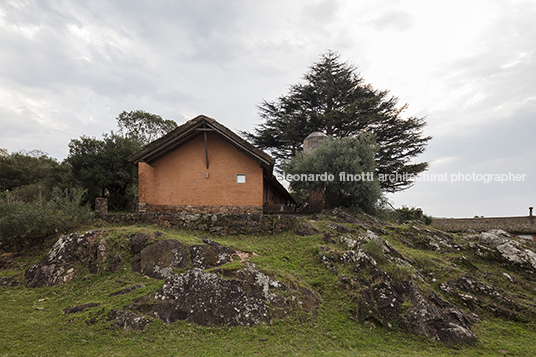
<point>404,214</point>
<point>24,223</point>
<point>335,99</point>
<point>100,165</point>
<point>29,173</point>
<point>353,156</point>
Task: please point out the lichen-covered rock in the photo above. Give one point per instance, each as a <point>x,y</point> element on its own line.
<point>211,254</point>
<point>495,237</point>
<point>341,228</point>
<point>206,299</point>
<point>126,320</point>
<point>137,242</point>
<point>349,242</point>
<point>158,259</point>
<point>488,299</point>
<point>364,261</point>
<point>403,304</point>
<point>57,267</point>
<point>247,299</point>
<point>499,244</point>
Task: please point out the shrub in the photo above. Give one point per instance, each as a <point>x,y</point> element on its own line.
<point>400,272</point>
<point>405,214</point>
<point>375,249</point>
<point>22,223</point>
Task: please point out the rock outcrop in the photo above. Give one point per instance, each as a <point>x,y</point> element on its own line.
<point>160,258</point>
<point>394,303</point>
<point>403,304</point>
<point>57,267</point>
<point>126,320</point>
<point>498,244</point>
<point>210,254</point>
<point>438,293</point>
<point>250,297</point>
<point>206,299</point>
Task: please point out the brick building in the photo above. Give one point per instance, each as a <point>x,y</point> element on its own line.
<point>204,167</point>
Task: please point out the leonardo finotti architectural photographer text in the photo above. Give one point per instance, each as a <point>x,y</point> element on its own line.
<point>400,177</point>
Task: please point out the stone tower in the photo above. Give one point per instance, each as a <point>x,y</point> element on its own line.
<point>310,144</point>
<point>313,141</point>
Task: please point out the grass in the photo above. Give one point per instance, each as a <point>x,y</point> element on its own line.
<point>33,323</point>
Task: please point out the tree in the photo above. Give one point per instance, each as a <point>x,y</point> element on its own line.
<point>100,165</point>
<point>335,99</point>
<point>344,168</point>
<point>27,173</point>
<point>143,127</point>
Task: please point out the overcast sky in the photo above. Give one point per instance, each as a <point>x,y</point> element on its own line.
<point>68,68</point>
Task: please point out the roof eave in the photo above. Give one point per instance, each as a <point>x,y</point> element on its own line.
<point>162,146</point>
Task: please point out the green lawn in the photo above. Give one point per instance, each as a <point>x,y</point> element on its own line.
<point>32,322</point>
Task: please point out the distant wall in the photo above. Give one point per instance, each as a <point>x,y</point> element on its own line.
<point>517,225</point>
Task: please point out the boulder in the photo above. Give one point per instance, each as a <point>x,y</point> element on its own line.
<point>499,244</point>
<point>158,259</point>
<point>57,267</point>
<point>126,320</point>
<point>306,229</point>
<point>206,299</point>
<point>137,242</point>
<point>210,255</point>
<point>250,297</point>
<point>494,237</point>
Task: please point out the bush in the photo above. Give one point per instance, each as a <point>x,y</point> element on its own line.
<point>22,223</point>
<point>404,214</point>
<point>326,169</point>
<point>375,249</point>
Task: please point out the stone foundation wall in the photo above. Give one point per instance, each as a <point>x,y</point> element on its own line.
<point>149,208</point>
<point>516,225</point>
<point>222,224</point>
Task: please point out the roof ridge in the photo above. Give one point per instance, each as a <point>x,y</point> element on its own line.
<point>175,138</point>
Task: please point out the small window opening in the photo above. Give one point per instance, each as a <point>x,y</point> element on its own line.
<point>240,178</point>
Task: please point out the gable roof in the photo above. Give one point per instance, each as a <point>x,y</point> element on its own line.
<point>180,135</point>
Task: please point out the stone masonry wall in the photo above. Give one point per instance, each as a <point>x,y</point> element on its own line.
<point>148,208</point>
<point>516,225</point>
<point>222,224</point>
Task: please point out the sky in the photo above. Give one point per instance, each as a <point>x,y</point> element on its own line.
<point>69,67</point>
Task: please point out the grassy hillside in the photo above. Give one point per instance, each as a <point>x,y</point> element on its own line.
<point>33,322</point>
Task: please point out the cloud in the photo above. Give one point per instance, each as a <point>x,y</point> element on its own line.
<point>68,68</point>
<point>397,20</point>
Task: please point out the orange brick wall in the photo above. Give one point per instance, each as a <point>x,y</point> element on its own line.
<point>179,178</point>
<point>146,182</point>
